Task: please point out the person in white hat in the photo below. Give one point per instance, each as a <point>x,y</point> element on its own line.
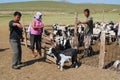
<point>35,30</point>
<point>38,15</point>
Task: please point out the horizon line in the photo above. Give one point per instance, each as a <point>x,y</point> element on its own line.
<point>59,1</point>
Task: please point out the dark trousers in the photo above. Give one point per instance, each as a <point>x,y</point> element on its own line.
<point>17,52</point>
<point>35,40</point>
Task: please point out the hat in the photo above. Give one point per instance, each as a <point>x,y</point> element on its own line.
<point>37,15</point>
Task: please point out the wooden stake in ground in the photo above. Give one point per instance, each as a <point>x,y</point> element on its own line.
<point>75,41</point>
<point>102,51</point>
<point>24,33</point>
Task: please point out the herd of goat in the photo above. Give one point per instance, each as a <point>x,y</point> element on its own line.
<point>64,38</point>
<point>64,35</point>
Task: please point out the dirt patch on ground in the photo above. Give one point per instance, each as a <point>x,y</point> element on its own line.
<point>37,69</point>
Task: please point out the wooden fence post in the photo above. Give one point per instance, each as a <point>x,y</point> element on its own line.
<point>103,15</point>
<point>24,32</point>
<point>25,36</point>
<point>75,42</point>
<point>102,51</point>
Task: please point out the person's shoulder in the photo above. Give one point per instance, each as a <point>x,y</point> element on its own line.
<point>90,18</point>
<point>11,21</point>
<point>34,19</point>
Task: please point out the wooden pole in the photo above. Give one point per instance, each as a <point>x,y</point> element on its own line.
<point>75,42</point>
<point>24,33</point>
<point>102,51</point>
<point>102,48</point>
<point>103,15</point>
<point>76,19</point>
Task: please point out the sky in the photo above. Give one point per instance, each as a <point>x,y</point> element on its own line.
<point>73,1</point>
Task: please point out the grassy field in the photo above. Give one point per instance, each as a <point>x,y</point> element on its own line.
<point>58,12</point>
<point>66,19</point>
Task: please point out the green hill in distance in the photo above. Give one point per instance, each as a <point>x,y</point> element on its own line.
<point>52,6</point>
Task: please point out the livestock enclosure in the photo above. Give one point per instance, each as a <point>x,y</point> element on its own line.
<point>110,52</point>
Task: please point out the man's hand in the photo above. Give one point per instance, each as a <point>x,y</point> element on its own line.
<point>19,25</point>
<point>77,22</point>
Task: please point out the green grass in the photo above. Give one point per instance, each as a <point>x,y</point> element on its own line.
<point>56,7</point>
<point>67,8</point>
<point>50,19</point>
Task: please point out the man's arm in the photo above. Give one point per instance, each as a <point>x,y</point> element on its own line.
<point>17,24</point>
<point>79,22</point>
<point>14,24</point>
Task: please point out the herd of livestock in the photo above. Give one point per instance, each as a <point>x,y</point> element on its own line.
<point>64,35</point>
<point>63,38</point>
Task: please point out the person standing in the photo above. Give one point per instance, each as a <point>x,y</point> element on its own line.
<point>36,29</point>
<point>88,32</point>
<point>15,28</point>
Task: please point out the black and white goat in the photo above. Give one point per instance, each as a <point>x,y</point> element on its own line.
<point>59,30</point>
<point>116,65</point>
<point>62,43</point>
<point>110,31</point>
<point>64,56</point>
<point>70,32</point>
<point>80,32</point>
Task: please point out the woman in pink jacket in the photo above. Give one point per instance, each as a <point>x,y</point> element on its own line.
<point>36,27</point>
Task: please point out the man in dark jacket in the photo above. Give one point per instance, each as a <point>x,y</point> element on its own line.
<point>15,37</point>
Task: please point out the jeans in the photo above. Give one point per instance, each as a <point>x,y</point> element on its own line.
<point>35,40</point>
<point>17,52</point>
